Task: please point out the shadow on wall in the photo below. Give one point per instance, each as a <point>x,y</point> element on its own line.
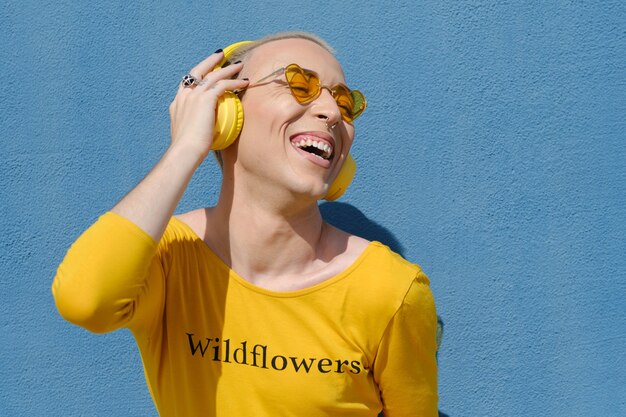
<point>349,218</point>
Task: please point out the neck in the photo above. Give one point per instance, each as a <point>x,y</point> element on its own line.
<point>263,239</point>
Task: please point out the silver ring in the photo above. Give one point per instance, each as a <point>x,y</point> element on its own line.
<point>189,80</point>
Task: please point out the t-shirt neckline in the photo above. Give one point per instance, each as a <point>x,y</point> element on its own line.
<point>280,294</point>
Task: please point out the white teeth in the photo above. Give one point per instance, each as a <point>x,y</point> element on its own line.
<point>327,149</point>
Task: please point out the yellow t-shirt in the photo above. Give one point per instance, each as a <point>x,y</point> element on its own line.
<point>213,344</point>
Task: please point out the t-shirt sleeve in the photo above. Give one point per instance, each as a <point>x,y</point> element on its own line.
<point>111,277</point>
<point>405,366</point>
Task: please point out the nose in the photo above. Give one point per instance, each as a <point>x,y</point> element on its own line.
<point>325,107</point>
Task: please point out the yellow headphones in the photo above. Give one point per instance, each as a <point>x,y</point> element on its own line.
<point>229,121</point>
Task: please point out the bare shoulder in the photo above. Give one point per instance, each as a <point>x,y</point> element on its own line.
<point>348,245</point>
<point>357,244</point>
<point>195,219</point>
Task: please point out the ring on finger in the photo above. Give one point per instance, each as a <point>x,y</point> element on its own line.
<point>189,80</point>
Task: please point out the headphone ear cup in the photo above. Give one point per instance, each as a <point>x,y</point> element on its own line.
<point>228,121</point>
<point>343,180</point>
<point>229,111</point>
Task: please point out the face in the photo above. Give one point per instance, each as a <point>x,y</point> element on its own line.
<point>284,143</point>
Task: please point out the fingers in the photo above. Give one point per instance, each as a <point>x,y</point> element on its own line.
<point>192,112</point>
<point>207,82</point>
<point>208,93</point>
<point>211,85</point>
<point>220,74</point>
<point>204,67</point>
<point>221,86</point>
<point>210,81</point>
<point>207,64</point>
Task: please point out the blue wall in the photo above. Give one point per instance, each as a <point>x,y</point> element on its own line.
<point>493,154</point>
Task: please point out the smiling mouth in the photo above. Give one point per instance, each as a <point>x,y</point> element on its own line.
<point>318,148</point>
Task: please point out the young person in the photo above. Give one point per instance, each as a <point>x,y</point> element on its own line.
<point>256,306</point>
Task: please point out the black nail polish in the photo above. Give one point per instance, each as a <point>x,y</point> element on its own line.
<point>245,79</point>
<point>238,62</point>
<point>218,51</point>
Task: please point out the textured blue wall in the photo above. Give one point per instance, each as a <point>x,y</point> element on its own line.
<point>493,154</point>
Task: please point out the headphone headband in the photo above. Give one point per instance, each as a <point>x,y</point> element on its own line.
<point>230,49</point>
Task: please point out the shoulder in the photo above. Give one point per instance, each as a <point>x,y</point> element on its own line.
<point>195,219</point>
<point>185,227</point>
<point>393,268</point>
<point>377,262</point>
<point>379,287</point>
<point>349,246</point>
<point>385,277</point>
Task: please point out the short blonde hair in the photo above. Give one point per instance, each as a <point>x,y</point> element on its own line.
<point>242,53</point>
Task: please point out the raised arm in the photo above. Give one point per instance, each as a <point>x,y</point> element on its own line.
<point>153,201</point>
<point>110,277</point>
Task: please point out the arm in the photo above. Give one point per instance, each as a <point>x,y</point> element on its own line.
<point>111,276</point>
<point>152,202</point>
<point>405,366</point>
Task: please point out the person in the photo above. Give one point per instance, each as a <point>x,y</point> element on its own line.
<point>256,306</point>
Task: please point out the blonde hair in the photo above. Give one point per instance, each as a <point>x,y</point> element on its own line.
<point>242,53</point>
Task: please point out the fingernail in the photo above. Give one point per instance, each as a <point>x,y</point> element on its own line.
<point>245,79</point>
<point>238,62</point>
<point>218,51</point>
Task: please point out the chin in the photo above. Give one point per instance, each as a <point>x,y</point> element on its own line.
<point>306,189</point>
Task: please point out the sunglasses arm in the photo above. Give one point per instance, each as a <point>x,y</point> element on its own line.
<point>278,71</point>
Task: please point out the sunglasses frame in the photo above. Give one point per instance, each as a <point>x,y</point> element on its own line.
<point>332,90</point>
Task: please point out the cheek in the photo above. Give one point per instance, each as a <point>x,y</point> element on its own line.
<point>252,112</point>
<point>348,137</point>
<point>269,111</point>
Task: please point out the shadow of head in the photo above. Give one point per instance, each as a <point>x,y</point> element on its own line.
<point>350,219</point>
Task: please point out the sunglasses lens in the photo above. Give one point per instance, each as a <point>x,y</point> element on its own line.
<point>359,103</point>
<point>345,102</point>
<point>351,102</point>
<point>304,85</point>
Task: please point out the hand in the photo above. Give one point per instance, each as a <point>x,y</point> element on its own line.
<point>192,111</point>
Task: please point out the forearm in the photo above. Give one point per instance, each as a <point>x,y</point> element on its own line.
<point>151,204</point>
